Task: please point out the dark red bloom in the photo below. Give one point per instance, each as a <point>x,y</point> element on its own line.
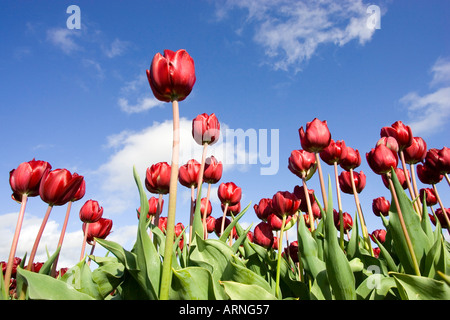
<point>348,221</point>
<point>99,229</point>
<point>389,142</point>
<point>263,235</point>
<point>59,186</point>
<point>332,153</point>
<point>302,163</point>
<point>210,224</point>
<point>428,174</point>
<point>285,203</point>
<point>157,178</point>
<point>430,196</point>
<point>263,209</point>
<point>229,193</point>
<point>439,160</point>
<point>153,203</point>
<point>440,215</point>
<point>276,222</point>
<point>416,152</point>
<point>218,226</point>
<point>213,170</point>
<point>400,132</point>
<point>204,205</point>
<point>179,228</point>
<point>380,206</point>
<point>172,76</point>
<point>27,177</point>
<point>345,181</point>
<point>381,159</point>
<point>400,173</point>
<point>91,211</point>
<point>350,158</point>
<point>162,224</point>
<point>316,137</point>
<point>234,209</point>
<point>188,174</point>
<point>379,234</point>
<point>205,129</point>
<point>292,250</point>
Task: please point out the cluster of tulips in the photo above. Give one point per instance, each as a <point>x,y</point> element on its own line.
<point>328,260</point>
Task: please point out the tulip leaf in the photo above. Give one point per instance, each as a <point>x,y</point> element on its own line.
<point>192,283</point>
<point>227,231</point>
<point>421,288</point>
<point>43,287</point>
<point>108,276</point>
<point>240,291</point>
<point>80,278</point>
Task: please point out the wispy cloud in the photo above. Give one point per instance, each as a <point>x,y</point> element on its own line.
<point>64,39</point>
<point>291,31</point>
<point>116,48</point>
<point>430,112</point>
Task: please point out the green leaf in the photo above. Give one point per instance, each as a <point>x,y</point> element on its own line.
<point>192,283</point>
<point>240,291</point>
<point>237,273</point>
<point>80,278</point>
<point>227,231</point>
<point>421,288</point>
<point>108,276</point>
<point>43,287</point>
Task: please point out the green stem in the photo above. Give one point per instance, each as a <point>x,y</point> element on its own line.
<point>341,216</point>
<point>166,276</point>
<point>280,247</point>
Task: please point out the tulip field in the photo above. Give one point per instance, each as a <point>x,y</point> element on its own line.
<point>333,257</point>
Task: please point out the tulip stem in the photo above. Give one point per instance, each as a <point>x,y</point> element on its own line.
<point>166,276</point>
<point>341,216</point>
<point>83,246</point>
<point>205,230</point>
<point>280,247</point>
<point>444,213</point>
<point>322,185</point>
<point>447,178</point>
<point>191,214</point>
<point>360,214</point>
<point>225,209</point>
<point>416,190</point>
<point>408,182</point>
<point>15,241</point>
<point>38,237</point>
<point>61,238</point>
<point>403,225</point>
<point>308,204</point>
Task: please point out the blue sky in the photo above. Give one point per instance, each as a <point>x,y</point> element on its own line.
<point>79,98</point>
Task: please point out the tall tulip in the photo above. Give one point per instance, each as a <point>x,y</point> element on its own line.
<point>413,154</point>
<point>229,195</point>
<point>314,139</point>
<point>212,173</point>
<point>24,182</point>
<point>188,177</point>
<point>99,229</point>
<point>90,212</point>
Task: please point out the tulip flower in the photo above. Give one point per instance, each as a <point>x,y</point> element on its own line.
<point>172,76</point>
<point>229,194</point>
<point>285,203</point>
<point>275,221</point>
<point>90,212</point>
<point>302,163</point>
<point>333,153</point>
<point>400,132</point>
<point>428,174</point>
<point>348,221</point>
<point>205,129</point>
<point>380,206</point>
<point>316,137</point>
<point>350,158</point>
<point>263,209</point>
<point>381,159</point>
<point>379,234</point>
<point>263,235</point>
<point>179,229</point>
<point>154,207</point>
<point>25,182</point>
<point>157,178</point>
<point>205,206</point>
<point>389,142</point>
<point>416,152</point>
<point>210,224</point>
<point>430,196</point>
<point>401,178</point>
<point>162,224</point>
<point>99,229</point>
<point>231,210</point>
<point>443,218</point>
<point>212,173</point>
<point>359,180</point>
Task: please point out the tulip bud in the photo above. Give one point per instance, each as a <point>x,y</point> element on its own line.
<point>428,174</point>
<point>229,193</point>
<point>400,173</point>
<point>332,153</point>
<point>153,204</point>
<point>188,174</point>
<point>263,235</point>
<point>203,205</point>
<point>285,203</point>
<point>157,178</point>
<point>439,160</point>
<point>59,186</point>
<point>348,221</point>
<point>276,222</point>
<point>231,210</point>
<point>381,159</point>
<point>416,152</point>
<point>172,76</point>
<point>440,215</point>
<point>316,137</point>
<point>206,129</point>
<point>350,158</point>
<point>263,209</point>
<point>380,206</point>
<point>302,163</point>
<point>91,211</point>
<point>379,234</point>
<point>162,224</point>
<point>400,132</point>
<point>99,229</point>
<point>345,182</point>
<point>213,170</point>
<point>210,224</point>
<point>27,177</point>
<point>430,196</point>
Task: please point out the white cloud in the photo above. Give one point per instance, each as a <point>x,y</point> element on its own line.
<point>291,31</point>
<point>142,104</point>
<point>63,38</point>
<point>117,48</point>
<point>430,112</point>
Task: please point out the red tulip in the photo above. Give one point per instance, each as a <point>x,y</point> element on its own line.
<point>210,224</point>
<point>81,190</point>
<point>213,170</point>
<point>59,186</point>
<point>263,209</point>
<point>206,129</point>
<point>440,215</point>
<point>380,206</point>
<point>348,221</point>
<point>428,174</point>
<point>439,160</point>
<point>263,235</point>
<point>275,221</point>
<point>204,205</point>
<point>316,137</point>
<point>292,250</point>
<point>162,224</point>
<point>389,142</point>
<point>345,181</point>
<point>400,173</point>
<point>400,132</point>
<point>379,234</point>
<point>152,207</point>
<point>430,196</point>
<point>229,193</point>
<point>27,177</point>
<point>285,203</point>
<point>350,158</point>
<point>218,226</point>
<point>99,229</point>
<point>302,163</point>
<point>416,152</point>
<point>157,178</point>
<point>188,174</point>
<point>332,153</point>
<point>381,159</point>
<point>300,194</point>
<point>172,76</point>
<point>91,211</point>
<point>235,209</point>
<point>179,228</point>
